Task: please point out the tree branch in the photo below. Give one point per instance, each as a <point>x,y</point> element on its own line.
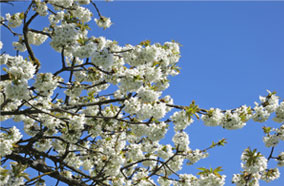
<point>41,167</point>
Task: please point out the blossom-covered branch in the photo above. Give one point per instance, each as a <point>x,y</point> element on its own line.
<point>100,117</point>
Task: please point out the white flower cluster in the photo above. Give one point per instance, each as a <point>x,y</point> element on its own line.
<point>46,83</point>
<point>54,19</point>
<point>103,58</point>
<point>30,126</point>
<point>103,22</point>
<point>268,105</point>
<point>187,180</point>
<point>191,180</point>
<point>83,2</point>
<point>20,46</point>
<point>73,132</point>
<point>195,155</point>
<point>181,120</point>
<point>254,162</point>
<point>280,159</point>
<point>84,51</point>
<point>36,38</point>
<point>232,120</point>
<point>242,179</point>
<point>255,168</point>
<point>64,35</point>
<point>61,3</point>
<point>14,20</point>
<point>270,175</point>
<point>211,180</point>
<point>40,8</point>
<point>148,95</point>
<point>7,140</point>
<point>83,14</point>
<point>229,119</point>
<point>271,140</point>
<point>237,118</point>
<point>19,71</point>
<point>145,110</point>
<point>13,176</point>
<point>181,141</point>
<point>154,132</point>
<point>260,115</point>
<point>213,117</point>
<point>279,113</point>
<point>43,145</point>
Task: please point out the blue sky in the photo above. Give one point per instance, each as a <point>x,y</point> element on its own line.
<point>231,53</point>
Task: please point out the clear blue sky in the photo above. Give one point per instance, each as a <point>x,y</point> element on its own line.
<point>231,53</point>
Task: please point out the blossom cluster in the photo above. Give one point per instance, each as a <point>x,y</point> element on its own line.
<point>255,168</point>
<point>14,176</point>
<point>8,140</point>
<point>237,118</point>
<point>109,115</point>
<point>14,20</point>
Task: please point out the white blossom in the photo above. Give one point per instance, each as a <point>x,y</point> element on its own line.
<point>181,120</point>
<point>83,14</point>
<point>280,159</point>
<point>103,58</point>
<point>61,3</point>
<point>64,35</point>
<point>46,83</point>
<point>253,162</point>
<point>85,50</point>
<point>211,180</point>
<point>36,38</point>
<point>148,95</point>
<point>7,140</point>
<point>181,140</point>
<point>241,180</point>
<point>103,22</point>
<point>42,145</point>
<point>14,20</point>
<point>279,113</point>
<point>19,46</point>
<point>271,140</point>
<point>214,117</point>
<point>41,8</point>
<point>195,155</point>
<point>270,175</point>
<point>232,120</point>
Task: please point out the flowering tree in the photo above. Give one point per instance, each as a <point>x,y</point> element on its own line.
<point>102,123</point>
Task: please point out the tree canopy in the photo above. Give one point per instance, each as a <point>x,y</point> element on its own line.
<point>99,118</point>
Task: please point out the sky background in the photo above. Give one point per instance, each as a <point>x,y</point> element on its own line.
<point>231,53</point>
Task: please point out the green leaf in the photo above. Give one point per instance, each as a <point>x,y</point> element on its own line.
<point>22,15</point>
<point>266,130</point>
<point>145,43</point>
<point>201,168</point>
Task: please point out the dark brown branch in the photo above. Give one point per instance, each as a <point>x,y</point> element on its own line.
<point>164,164</point>
<point>4,77</point>
<point>14,33</point>
<point>98,11</point>
<point>70,76</point>
<point>42,167</point>
<point>37,111</point>
<point>270,155</point>
<point>40,32</point>
<point>25,32</point>
<point>95,103</point>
